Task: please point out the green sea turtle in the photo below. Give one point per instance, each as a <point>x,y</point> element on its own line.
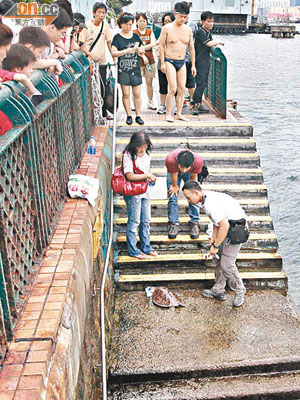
<point>163,297</point>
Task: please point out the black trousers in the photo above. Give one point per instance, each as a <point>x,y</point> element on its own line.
<point>102,72</point>
<point>201,82</point>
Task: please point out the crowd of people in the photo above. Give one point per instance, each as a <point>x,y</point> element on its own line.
<point>183,61</point>
<point>23,50</point>
<point>181,54</point>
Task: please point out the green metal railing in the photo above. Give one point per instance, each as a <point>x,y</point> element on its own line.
<point>37,155</point>
<point>217,81</point>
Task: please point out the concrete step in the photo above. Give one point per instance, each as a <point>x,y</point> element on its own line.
<point>160,224</point>
<point>195,260</point>
<point>196,144</point>
<point>262,241</point>
<point>274,386</point>
<point>197,129</point>
<point>236,190</point>
<point>252,280</point>
<point>234,352</point>
<point>223,175</point>
<point>246,158</point>
<point>159,207</point>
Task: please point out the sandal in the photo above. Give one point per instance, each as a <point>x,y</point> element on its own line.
<point>153,253</point>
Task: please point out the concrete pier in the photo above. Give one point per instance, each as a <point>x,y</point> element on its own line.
<point>283,31</point>
<point>207,349</point>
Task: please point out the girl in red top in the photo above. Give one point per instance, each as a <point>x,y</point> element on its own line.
<point>147,62</point>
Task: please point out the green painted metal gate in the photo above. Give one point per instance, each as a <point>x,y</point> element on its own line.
<point>217,81</point>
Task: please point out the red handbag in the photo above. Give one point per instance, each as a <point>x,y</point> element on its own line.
<point>120,185</point>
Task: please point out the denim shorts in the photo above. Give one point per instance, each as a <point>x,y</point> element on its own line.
<point>130,78</point>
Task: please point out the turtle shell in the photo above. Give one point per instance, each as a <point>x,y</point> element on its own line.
<point>163,297</point>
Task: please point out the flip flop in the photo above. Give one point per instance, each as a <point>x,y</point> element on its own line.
<point>153,253</point>
<point>182,118</point>
<point>169,118</point>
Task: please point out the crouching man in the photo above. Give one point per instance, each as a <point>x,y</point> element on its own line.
<point>220,208</point>
<point>182,164</point>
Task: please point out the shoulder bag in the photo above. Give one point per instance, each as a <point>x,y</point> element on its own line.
<point>120,185</point>
<point>238,232</point>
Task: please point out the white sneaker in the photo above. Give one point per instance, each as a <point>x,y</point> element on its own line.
<point>162,109</point>
<point>239,299</point>
<point>151,105</point>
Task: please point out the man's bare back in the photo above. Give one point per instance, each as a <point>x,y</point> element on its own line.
<point>175,39</point>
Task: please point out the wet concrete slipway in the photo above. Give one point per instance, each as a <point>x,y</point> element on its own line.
<point>207,349</point>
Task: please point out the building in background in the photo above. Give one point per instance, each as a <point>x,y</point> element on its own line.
<point>230,15</point>
<point>84,7</point>
<point>150,7</point>
<point>271,8</point>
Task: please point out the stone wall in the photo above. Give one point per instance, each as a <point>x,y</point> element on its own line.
<point>55,353</point>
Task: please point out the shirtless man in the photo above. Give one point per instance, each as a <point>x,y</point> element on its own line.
<point>174,40</point>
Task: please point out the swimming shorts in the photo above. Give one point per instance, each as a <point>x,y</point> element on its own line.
<point>177,63</point>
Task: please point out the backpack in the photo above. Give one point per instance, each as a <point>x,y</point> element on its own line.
<point>203,174</point>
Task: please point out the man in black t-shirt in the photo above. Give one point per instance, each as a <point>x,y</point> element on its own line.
<point>203,43</point>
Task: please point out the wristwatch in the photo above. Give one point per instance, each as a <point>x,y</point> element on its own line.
<point>216,247</point>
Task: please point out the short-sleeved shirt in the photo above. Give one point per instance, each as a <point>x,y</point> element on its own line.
<point>6,75</point>
<point>89,34</point>
<point>218,206</point>
<point>143,163</point>
<point>129,62</point>
<point>5,123</point>
<point>146,39</point>
<point>48,51</point>
<point>11,23</point>
<point>202,51</point>
<point>172,163</point>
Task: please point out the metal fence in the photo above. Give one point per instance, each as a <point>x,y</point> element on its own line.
<point>37,155</point>
<point>217,81</point>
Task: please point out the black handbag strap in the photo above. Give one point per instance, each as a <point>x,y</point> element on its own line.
<point>97,38</point>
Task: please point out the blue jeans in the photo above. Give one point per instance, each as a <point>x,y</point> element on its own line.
<point>173,201</point>
<point>139,216</point>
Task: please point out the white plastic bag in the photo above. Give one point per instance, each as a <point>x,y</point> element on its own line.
<point>84,187</point>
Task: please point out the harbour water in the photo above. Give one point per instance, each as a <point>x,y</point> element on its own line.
<point>264,78</point>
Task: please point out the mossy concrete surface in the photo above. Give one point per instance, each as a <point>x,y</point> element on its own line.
<point>206,339</point>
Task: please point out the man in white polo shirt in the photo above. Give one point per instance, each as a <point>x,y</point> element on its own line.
<point>220,208</point>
